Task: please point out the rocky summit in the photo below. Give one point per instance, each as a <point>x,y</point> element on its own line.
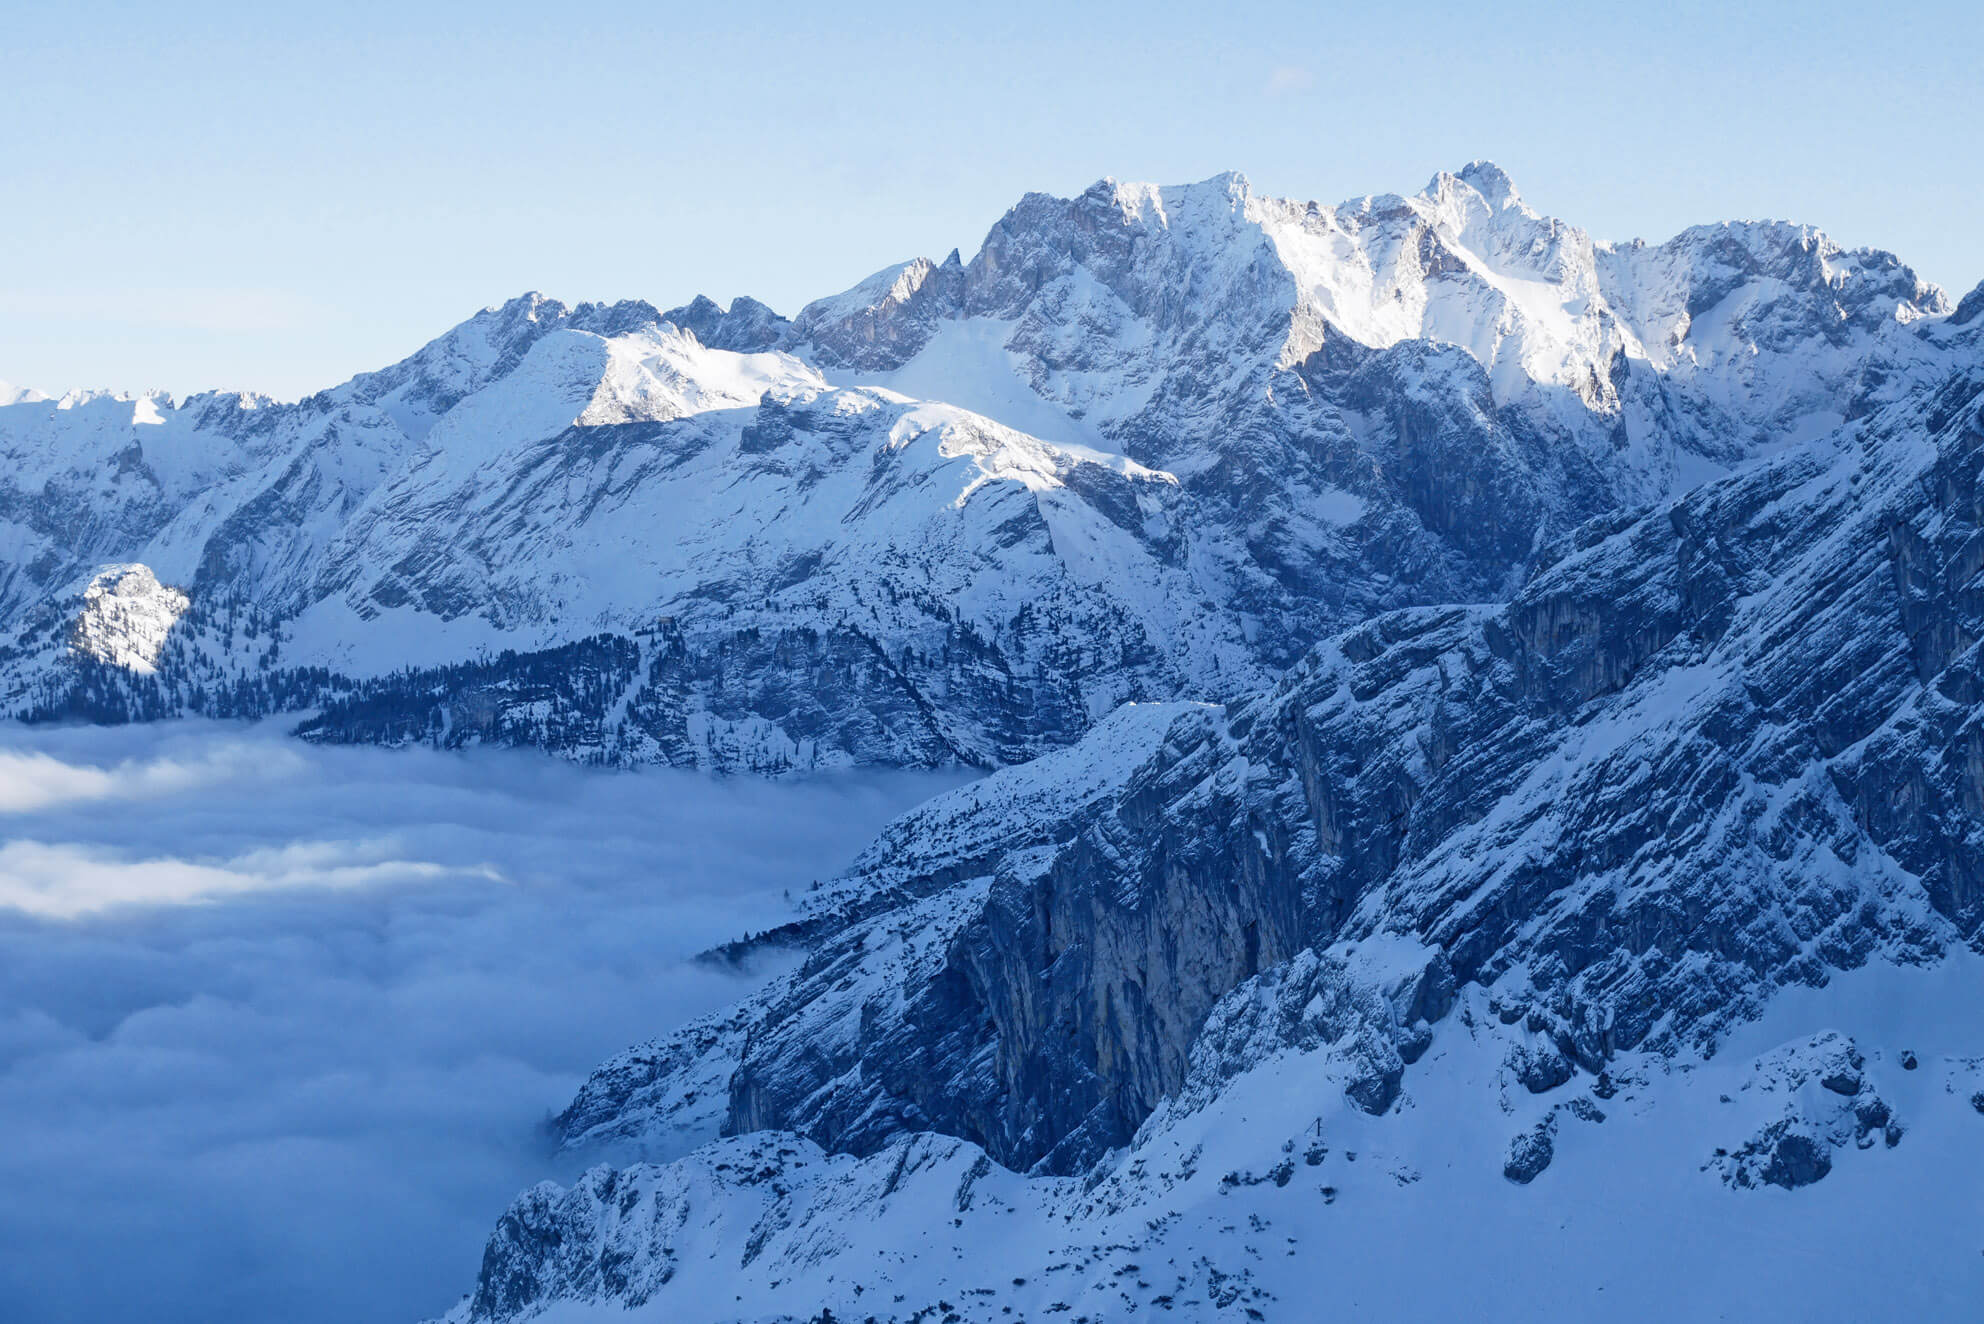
<point>1147,444</point>
<point>1485,770</point>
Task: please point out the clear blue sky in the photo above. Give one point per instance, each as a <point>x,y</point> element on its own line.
<point>232,195</point>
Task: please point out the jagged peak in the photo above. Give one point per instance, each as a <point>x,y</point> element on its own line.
<point>745,326</point>
<point>1490,181</point>
<point>893,284</point>
<point>704,305</point>
<point>1137,197</point>
<point>143,403</point>
<point>613,319</point>
<point>124,617</point>
<point>531,305</point>
<point>1480,180</point>
<point>1232,183</point>
<point>1829,261</point>
<point>1765,229</point>
<point>240,401</point>
<point>1969,308</point>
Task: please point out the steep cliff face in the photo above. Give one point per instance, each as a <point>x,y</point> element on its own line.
<point>1305,1156</point>
<point>1148,313</point>
<point>1726,745</point>
<point>1147,443</point>
<point>1648,880</point>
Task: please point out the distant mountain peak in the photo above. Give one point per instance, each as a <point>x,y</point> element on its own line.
<point>1491,181</point>
<point>1379,404</point>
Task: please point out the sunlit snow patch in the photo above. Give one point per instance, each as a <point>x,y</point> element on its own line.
<point>126,617</point>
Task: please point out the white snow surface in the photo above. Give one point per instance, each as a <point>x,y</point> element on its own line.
<point>1276,1199</point>
<point>126,617</point>
<point>1051,424</point>
<point>11,394</point>
<point>542,472</point>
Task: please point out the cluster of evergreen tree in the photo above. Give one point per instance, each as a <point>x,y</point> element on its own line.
<point>555,698</point>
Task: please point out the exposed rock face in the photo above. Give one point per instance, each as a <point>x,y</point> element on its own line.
<point>613,1237</point>
<point>1530,1153</point>
<point>1708,750</point>
<point>125,618</point>
<point>1704,752</point>
<point>1169,439</point>
<point>1587,637</point>
<point>1570,833</point>
<point>1326,1002</point>
<point>620,1239</point>
<point>1828,1103</point>
<point>1540,1068</point>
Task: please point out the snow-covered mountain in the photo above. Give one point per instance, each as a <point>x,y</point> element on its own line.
<point>1610,952</point>
<point>1489,788</point>
<point>1148,443</point>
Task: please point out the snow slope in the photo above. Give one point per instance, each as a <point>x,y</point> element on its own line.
<point>1280,1199</point>
<point>1174,435</point>
<point>1490,773</point>
<point>1638,913</point>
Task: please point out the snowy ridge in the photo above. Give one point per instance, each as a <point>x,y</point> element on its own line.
<point>1280,1183</point>
<point>1198,431</point>
<point>1477,712</point>
<point>1660,877</point>
<point>125,619</point>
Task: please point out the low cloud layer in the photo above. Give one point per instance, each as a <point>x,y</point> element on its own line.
<point>34,779</point>
<point>279,1025</point>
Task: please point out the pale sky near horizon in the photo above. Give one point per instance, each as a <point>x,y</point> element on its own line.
<point>219,195</point>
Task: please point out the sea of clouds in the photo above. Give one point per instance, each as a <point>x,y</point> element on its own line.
<point>280,1025</point>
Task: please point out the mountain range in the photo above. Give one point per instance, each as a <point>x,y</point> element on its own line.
<point>1147,444</point>
<point>1486,793</point>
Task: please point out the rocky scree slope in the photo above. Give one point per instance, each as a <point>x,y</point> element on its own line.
<point>1148,443</point>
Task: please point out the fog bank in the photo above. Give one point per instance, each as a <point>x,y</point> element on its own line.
<point>279,1025</point>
